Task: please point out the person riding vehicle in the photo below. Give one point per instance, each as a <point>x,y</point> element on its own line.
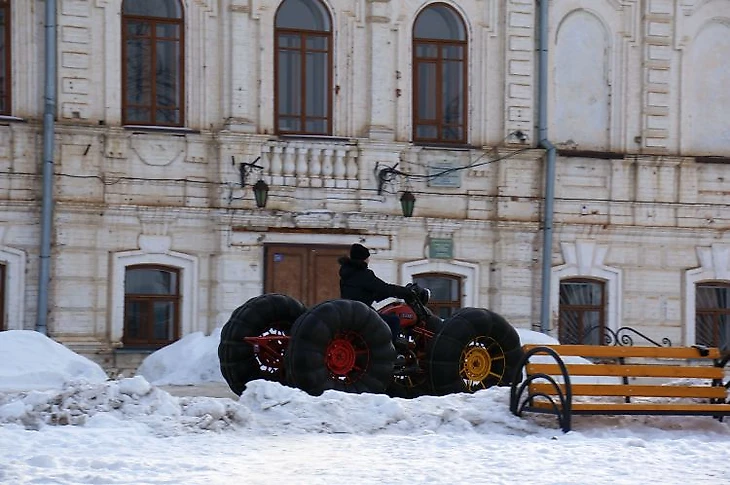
<point>358,282</point>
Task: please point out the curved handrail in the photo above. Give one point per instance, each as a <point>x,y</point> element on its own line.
<point>566,398</point>
<point>563,418</point>
<point>532,377</point>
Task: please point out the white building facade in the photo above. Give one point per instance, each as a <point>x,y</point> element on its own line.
<point>168,111</point>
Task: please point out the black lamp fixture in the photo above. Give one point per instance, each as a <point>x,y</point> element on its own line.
<point>407,203</point>
<point>407,199</point>
<point>261,193</point>
<point>260,188</point>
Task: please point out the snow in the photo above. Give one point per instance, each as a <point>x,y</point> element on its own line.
<point>32,361</point>
<point>63,422</point>
<point>191,360</point>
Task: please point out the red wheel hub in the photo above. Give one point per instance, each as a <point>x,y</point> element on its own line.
<point>340,356</point>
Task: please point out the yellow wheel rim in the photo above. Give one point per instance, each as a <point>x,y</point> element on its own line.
<point>481,364</point>
<point>476,364</point>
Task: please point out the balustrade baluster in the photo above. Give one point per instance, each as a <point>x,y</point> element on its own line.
<point>353,174</point>
<point>339,172</point>
<point>315,167</point>
<point>302,167</point>
<point>289,165</point>
<point>328,179</point>
<point>276,166</point>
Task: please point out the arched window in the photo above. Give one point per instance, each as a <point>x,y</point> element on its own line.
<point>152,63</point>
<point>445,292</point>
<point>151,306</point>
<point>582,312</point>
<point>439,76</point>
<point>303,64</point>
<point>712,314</point>
<point>5,57</point>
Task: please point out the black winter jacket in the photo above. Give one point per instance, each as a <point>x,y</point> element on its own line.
<point>357,282</point>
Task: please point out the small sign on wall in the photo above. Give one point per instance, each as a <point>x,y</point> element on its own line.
<point>444,173</point>
<point>440,248</point>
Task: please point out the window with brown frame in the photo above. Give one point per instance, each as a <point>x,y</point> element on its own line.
<point>151,306</point>
<point>5,69</point>
<point>439,76</point>
<point>445,292</point>
<point>582,312</point>
<point>712,319</point>
<point>303,68</point>
<point>152,63</point>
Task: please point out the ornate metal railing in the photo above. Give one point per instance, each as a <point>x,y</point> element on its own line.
<point>623,336</point>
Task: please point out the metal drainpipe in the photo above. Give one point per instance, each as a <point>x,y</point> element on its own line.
<point>547,246</point>
<point>48,148</point>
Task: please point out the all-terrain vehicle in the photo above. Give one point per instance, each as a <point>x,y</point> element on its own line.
<point>345,345</point>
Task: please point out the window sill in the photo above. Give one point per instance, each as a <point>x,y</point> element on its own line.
<point>160,129</point>
<point>444,146</point>
<point>338,139</point>
<point>11,119</point>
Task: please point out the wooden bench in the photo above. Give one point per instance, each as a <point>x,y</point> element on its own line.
<point>568,380</point>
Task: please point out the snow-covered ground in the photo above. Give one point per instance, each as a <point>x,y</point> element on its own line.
<point>63,422</point>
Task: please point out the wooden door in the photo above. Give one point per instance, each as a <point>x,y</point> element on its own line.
<point>308,273</point>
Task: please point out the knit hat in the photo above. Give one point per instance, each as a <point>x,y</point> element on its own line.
<point>359,252</point>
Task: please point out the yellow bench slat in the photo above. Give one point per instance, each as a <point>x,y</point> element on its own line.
<point>629,370</point>
<point>608,351</point>
<point>619,407</point>
<point>717,392</point>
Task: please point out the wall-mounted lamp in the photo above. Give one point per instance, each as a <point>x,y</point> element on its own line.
<point>407,199</point>
<point>407,203</point>
<point>245,168</point>
<point>386,175</point>
<point>261,193</point>
<point>260,188</point>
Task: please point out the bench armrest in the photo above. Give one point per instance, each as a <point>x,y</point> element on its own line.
<point>518,402</point>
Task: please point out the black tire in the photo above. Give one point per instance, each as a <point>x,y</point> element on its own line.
<point>418,382</point>
<point>271,314</point>
<point>476,349</point>
<point>342,345</point>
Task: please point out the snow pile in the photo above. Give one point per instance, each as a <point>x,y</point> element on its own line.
<point>191,360</point>
<point>128,399</point>
<point>265,407</point>
<point>273,407</point>
<point>30,360</point>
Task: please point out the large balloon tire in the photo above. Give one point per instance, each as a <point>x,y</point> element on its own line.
<point>476,349</point>
<point>342,345</point>
<point>271,314</point>
<point>418,383</point>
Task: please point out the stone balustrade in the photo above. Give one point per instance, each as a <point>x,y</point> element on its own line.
<point>304,163</point>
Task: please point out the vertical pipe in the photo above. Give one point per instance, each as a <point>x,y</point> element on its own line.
<point>547,246</point>
<point>48,148</point>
